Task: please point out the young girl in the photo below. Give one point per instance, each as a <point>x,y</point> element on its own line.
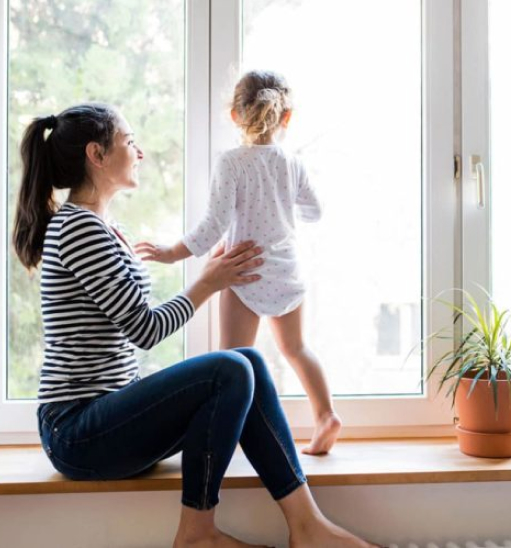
<point>257,190</point>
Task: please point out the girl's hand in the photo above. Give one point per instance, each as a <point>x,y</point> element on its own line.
<point>153,252</point>
<point>226,269</point>
<point>162,254</point>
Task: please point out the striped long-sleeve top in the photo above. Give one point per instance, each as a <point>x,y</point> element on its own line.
<point>94,295</point>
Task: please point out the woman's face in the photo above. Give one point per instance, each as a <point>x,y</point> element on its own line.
<point>123,158</point>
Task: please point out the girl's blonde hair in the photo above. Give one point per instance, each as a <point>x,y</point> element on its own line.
<point>260,100</point>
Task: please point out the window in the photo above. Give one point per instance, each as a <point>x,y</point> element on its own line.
<point>377,138</point>
<point>67,52</point>
<point>378,114</point>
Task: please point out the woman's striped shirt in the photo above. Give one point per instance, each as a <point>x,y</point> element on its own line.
<point>94,296</point>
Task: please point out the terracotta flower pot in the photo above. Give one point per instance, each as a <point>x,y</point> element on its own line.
<point>482,430</point>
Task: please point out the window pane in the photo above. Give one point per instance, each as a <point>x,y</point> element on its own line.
<point>500,109</point>
<point>355,69</point>
<point>127,53</point>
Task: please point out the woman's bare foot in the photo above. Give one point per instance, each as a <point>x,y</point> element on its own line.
<point>325,435</point>
<point>214,538</point>
<point>326,534</point>
<point>308,527</point>
<point>197,529</point>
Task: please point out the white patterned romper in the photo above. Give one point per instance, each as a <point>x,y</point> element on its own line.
<point>255,194</point>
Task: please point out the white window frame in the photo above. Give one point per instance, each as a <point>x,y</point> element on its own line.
<point>13,415</point>
<point>198,336</point>
<point>213,39</point>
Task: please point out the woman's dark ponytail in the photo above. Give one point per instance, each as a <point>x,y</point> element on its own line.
<point>53,157</point>
<point>36,205</point>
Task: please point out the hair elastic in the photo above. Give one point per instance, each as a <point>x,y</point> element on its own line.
<point>50,122</point>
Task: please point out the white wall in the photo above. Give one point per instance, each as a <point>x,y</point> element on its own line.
<point>386,514</point>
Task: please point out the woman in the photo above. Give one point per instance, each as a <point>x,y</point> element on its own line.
<point>97,418</point>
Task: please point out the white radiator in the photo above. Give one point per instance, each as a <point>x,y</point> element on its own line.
<point>468,544</point>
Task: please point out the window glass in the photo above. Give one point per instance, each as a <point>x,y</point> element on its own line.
<point>355,69</point>
<point>127,53</point>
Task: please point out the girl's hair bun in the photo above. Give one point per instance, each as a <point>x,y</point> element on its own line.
<point>267,95</point>
<point>260,100</point>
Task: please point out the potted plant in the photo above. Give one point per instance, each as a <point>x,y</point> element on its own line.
<point>477,372</point>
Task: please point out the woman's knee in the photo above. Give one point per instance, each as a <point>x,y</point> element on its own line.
<point>256,360</point>
<point>251,353</point>
<point>236,369</point>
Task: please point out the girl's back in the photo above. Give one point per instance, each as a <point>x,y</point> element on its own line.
<point>268,184</point>
<point>255,193</point>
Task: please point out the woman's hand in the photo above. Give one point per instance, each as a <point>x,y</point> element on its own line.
<point>226,269</point>
<point>230,269</point>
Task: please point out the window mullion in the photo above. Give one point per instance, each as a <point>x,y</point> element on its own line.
<point>197,140</point>
<point>441,228</point>
<point>225,63</point>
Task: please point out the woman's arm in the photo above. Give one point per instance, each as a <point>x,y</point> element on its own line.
<point>226,269</point>
<point>89,252</point>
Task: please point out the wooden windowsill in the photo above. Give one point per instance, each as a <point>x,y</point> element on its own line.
<point>26,470</point>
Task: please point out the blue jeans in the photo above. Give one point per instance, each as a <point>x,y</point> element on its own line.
<point>203,407</point>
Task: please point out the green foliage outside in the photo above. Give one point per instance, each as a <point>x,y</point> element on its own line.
<point>127,53</point>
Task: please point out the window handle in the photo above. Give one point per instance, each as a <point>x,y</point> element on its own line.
<point>478,173</point>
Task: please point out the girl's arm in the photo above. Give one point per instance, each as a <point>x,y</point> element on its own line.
<point>220,211</point>
<point>308,205</point>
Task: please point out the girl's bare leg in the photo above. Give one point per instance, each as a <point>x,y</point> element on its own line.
<point>238,324</point>
<point>308,527</point>
<point>287,330</point>
<point>197,529</point>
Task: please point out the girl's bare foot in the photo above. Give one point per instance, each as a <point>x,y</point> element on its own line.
<point>325,435</point>
<point>214,538</point>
